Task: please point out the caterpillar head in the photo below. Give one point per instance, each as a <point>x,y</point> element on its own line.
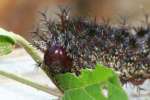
<point>56,59</point>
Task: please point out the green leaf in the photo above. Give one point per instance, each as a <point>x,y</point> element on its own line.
<point>6,42</point>
<point>91,84</point>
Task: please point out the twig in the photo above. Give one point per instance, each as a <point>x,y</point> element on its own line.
<point>35,54</point>
<point>28,82</point>
<point>28,47</point>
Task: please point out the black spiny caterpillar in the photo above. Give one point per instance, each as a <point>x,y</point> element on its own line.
<point>78,42</point>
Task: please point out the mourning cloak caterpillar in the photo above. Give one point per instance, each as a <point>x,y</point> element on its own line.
<point>74,43</point>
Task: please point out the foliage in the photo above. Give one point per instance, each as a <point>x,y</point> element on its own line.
<point>6,42</point>
<point>100,83</point>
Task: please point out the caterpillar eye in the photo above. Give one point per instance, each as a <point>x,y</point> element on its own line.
<point>56,51</point>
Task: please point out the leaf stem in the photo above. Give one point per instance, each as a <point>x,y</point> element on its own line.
<point>34,53</point>
<point>28,82</point>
